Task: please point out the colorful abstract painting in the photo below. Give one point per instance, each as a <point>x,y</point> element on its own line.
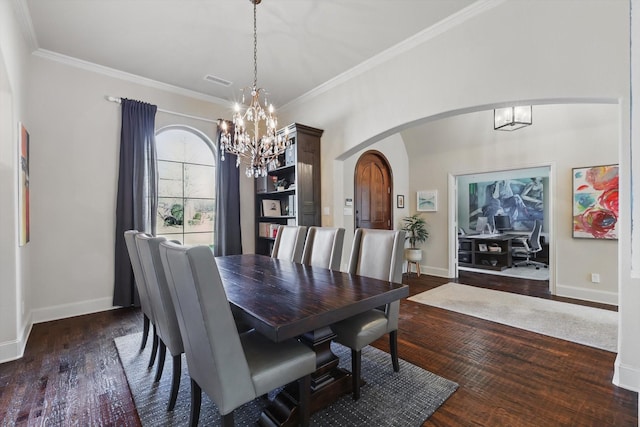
<point>595,202</point>
<point>23,193</point>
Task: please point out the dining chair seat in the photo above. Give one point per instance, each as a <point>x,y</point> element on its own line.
<point>232,368</point>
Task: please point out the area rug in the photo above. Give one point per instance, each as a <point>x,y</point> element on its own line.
<point>524,272</point>
<point>406,398</point>
<point>584,325</point>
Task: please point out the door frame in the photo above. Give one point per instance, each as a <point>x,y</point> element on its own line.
<point>453,218</point>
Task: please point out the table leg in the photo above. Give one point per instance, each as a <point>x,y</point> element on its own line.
<point>328,383</point>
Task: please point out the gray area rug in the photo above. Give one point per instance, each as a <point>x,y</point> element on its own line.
<point>522,272</point>
<point>402,399</point>
<point>590,326</point>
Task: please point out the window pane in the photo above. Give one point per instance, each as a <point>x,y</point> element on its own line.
<point>169,179</point>
<point>199,214</point>
<point>198,239</point>
<point>170,215</point>
<point>199,181</point>
<point>183,146</point>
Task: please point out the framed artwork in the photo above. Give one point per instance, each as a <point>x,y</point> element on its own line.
<point>595,202</point>
<point>427,201</point>
<point>271,207</point>
<point>482,247</point>
<point>521,199</point>
<point>400,201</point>
<point>23,191</point>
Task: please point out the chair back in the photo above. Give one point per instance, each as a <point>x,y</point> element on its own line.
<point>159,295</point>
<point>213,350</point>
<point>138,275</point>
<point>534,237</point>
<point>323,247</point>
<point>289,243</point>
<point>378,254</point>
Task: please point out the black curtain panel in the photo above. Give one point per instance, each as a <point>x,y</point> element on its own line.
<point>227,238</point>
<point>137,199</point>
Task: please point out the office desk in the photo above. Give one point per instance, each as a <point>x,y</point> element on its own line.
<point>474,251</point>
<point>283,300</point>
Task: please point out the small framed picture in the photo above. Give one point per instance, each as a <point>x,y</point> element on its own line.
<point>482,247</point>
<point>427,201</point>
<point>400,201</point>
<point>271,208</point>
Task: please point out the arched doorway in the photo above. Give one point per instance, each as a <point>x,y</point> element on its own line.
<point>373,190</point>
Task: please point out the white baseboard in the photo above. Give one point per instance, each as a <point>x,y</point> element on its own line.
<point>431,271</point>
<point>63,311</point>
<point>12,350</point>
<point>625,376</point>
<point>587,294</point>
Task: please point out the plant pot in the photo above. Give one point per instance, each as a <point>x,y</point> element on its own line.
<point>413,254</point>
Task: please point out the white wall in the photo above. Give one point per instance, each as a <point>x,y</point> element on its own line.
<point>14,273</point>
<point>74,171</point>
<point>501,52</point>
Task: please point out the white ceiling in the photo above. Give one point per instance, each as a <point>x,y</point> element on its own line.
<point>301,43</point>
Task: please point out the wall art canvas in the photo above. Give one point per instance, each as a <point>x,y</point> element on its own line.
<point>595,202</point>
<point>428,201</point>
<point>522,199</point>
<point>23,191</point>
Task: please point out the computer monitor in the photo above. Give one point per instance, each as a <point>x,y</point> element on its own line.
<point>502,222</point>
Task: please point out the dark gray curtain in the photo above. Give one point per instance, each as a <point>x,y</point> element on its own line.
<point>227,238</point>
<point>137,200</point>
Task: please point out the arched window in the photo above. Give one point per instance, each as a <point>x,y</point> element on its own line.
<point>186,185</point>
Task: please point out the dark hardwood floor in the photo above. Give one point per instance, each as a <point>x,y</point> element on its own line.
<point>71,374</point>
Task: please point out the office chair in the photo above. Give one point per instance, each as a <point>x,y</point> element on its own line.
<point>530,247</point>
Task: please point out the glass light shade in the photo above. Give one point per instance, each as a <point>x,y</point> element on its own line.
<point>512,118</point>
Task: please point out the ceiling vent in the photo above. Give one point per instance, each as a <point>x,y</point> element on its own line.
<point>217,80</point>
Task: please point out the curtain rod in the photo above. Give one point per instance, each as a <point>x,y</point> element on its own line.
<point>118,100</point>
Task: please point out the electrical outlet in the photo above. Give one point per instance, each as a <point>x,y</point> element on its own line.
<point>595,278</point>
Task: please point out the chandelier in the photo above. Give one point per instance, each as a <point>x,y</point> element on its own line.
<point>259,151</point>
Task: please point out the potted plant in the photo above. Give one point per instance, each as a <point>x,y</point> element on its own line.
<point>416,228</point>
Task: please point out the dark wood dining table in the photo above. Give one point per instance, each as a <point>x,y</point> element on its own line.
<point>285,300</point>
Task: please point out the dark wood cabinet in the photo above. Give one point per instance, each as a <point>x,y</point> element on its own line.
<point>488,252</point>
<point>290,194</point>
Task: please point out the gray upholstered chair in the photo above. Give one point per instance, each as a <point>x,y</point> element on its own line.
<point>231,368</point>
<point>166,321</point>
<point>377,254</point>
<point>289,242</point>
<point>141,286</point>
<point>323,247</point>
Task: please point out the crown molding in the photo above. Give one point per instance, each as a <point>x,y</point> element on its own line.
<point>475,9</point>
<point>26,25</point>
<point>122,75</point>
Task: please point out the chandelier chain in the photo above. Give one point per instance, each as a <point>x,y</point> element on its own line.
<point>255,47</point>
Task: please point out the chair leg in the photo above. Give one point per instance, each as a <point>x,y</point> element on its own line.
<point>355,372</point>
<point>196,400</point>
<point>175,381</point>
<point>161,357</point>
<point>145,331</point>
<point>227,420</point>
<point>393,347</point>
<point>154,348</point>
<point>304,385</point>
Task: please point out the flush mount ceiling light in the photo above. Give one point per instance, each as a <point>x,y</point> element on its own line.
<point>259,151</point>
<point>512,118</point>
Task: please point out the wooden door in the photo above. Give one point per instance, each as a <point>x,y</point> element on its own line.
<point>373,189</point>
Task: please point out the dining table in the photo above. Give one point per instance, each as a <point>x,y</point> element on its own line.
<point>286,300</point>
